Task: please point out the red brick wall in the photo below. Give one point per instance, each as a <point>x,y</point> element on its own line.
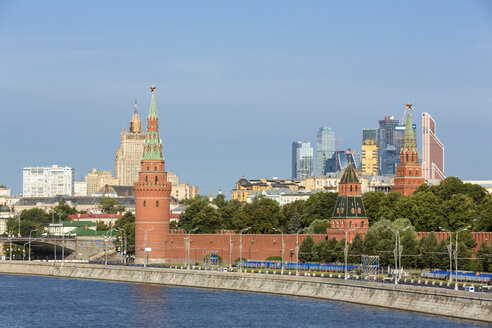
<point>479,237</point>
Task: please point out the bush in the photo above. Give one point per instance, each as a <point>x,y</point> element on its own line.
<point>274,258</point>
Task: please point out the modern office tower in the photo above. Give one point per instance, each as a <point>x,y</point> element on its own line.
<point>409,170</point>
<point>302,160</point>
<point>389,144</point>
<point>341,159</point>
<point>370,134</point>
<point>47,181</point>
<point>96,179</point>
<point>369,157</point>
<point>325,147</point>
<point>128,156</point>
<point>432,151</point>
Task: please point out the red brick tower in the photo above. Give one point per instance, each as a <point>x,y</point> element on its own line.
<point>152,194</point>
<point>409,171</point>
<point>349,214</point>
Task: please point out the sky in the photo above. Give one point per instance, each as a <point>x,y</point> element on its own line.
<point>238,81</point>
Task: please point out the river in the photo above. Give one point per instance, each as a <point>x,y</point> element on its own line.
<point>30,301</point>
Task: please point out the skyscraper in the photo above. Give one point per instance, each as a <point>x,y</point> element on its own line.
<point>325,147</point>
<point>127,161</point>
<point>432,151</point>
<point>302,160</point>
<point>370,134</point>
<point>369,157</point>
<point>389,144</point>
<point>341,160</point>
<point>408,171</point>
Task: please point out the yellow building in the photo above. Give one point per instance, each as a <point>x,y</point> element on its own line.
<point>128,156</point>
<point>370,157</point>
<point>96,179</point>
<point>245,187</point>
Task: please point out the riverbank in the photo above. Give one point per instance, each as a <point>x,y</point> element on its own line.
<point>458,304</point>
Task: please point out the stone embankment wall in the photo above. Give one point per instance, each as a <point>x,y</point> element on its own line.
<point>460,304</point>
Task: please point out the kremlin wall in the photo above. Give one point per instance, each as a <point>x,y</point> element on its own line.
<point>154,239</point>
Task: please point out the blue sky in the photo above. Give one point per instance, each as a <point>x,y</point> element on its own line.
<point>237,82</point>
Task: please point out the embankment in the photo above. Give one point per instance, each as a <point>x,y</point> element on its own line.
<point>459,304</point>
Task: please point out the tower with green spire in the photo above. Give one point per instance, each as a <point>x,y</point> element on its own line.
<point>409,170</point>
<point>152,196</point>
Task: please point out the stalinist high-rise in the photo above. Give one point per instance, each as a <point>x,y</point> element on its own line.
<point>128,156</point>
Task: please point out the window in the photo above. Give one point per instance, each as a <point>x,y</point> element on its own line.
<point>156,203</point>
<point>362,224</point>
<point>156,179</point>
<point>146,179</point>
<point>145,203</point>
<point>155,168</point>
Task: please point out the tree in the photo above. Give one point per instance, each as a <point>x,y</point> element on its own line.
<point>428,248</point>
<point>318,226</point>
<point>101,226</point>
<point>372,202</point>
<point>318,206</point>
<point>64,210</point>
<point>189,201</point>
<point>338,251</point>
<point>200,216</point>
<point>323,251</point>
<point>291,214</point>
<point>306,250</point>
<point>126,218</point>
<point>219,201</point>
<point>484,256</point>
<point>110,205</point>
<point>387,207</point>
<point>126,227</point>
<point>229,214</point>
<point>32,219</point>
<point>262,215</point>
<point>356,248</point>
<point>457,212</point>
<point>426,213</point>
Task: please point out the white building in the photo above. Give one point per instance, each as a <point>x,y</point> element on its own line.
<point>47,181</point>
<point>80,188</point>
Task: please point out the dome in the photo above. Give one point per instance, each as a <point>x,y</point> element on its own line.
<point>4,208</point>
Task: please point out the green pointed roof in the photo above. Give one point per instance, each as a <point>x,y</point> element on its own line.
<point>153,110</point>
<point>409,143</point>
<point>152,142</point>
<point>349,176</point>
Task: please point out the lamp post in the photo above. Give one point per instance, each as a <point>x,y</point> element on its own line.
<point>24,251</point>
<point>398,251</point>
<point>283,246</point>
<point>450,251</point>
<point>30,243</point>
<point>230,251</point>
<point>10,252</point>
<point>188,247</point>
<point>456,257</point>
<point>297,249</point>
<point>19,234</point>
<point>63,236</point>
<point>345,250</point>
<point>145,244</point>
<point>241,248</point>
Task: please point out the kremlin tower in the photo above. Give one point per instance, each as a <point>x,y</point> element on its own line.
<point>152,194</point>
<point>349,214</point>
<point>409,171</point>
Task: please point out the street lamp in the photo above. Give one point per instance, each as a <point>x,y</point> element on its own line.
<point>230,252</point>
<point>145,244</point>
<point>283,246</point>
<point>297,249</point>
<point>241,248</point>
<point>345,250</point>
<point>398,251</point>
<point>456,257</point>
<point>24,251</point>
<point>30,243</point>
<point>188,246</point>
<point>450,251</point>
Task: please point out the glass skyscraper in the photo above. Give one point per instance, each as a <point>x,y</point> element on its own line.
<point>325,147</point>
<point>302,160</point>
<point>432,150</point>
<point>341,159</point>
<point>389,145</point>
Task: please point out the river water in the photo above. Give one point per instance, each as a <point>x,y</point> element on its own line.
<point>28,301</point>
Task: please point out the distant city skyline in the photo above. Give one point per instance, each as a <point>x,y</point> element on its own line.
<point>232,91</point>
